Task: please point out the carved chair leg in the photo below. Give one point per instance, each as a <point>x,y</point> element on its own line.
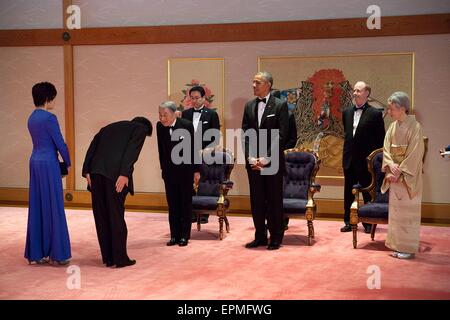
<point>221,227</point>
<point>227,225</point>
<point>372,232</point>
<point>310,232</point>
<point>354,229</point>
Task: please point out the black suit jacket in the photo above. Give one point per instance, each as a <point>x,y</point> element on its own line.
<point>292,134</point>
<point>369,135</point>
<point>275,116</point>
<point>114,150</point>
<point>208,119</point>
<point>172,172</point>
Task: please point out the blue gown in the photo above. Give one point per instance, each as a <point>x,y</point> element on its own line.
<point>47,233</point>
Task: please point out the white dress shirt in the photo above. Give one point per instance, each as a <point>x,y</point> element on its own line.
<point>261,107</point>
<point>196,118</point>
<point>172,125</point>
<point>356,117</point>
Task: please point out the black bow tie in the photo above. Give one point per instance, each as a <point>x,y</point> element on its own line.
<point>358,108</point>
<point>258,100</point>
<point>171,127</point>
<point>199,110</point>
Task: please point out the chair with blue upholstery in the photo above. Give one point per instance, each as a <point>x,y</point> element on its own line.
<point>299,186</point>
<point>377,211</point>
<point>211,192</point>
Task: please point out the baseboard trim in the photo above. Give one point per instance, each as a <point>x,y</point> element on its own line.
<point>434,213</point>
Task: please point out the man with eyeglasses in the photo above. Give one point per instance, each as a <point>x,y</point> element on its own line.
<point>203,119</point>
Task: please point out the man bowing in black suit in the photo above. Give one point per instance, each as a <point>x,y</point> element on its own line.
<point>364,132</point>
<point>265,125</point>
<point>179,172</point>
<point>206,126</point>
<point>108,168</point>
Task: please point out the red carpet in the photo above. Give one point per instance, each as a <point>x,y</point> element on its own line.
<point>211,269</point>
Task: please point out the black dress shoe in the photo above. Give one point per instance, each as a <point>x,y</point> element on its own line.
<point>126,264</point>
<point>109,264</point>
<point>256,243</point>
<point>273,246</point>
<point>172,242</point>
<point>346,228</point>
<point>183,242</point>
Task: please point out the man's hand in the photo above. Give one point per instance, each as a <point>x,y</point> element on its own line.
<point>88,178</point>
<point>259,163</point>
<point>121,182</point>
<point>196,178</point>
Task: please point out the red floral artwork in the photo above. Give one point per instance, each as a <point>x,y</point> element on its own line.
<point>326,94</point>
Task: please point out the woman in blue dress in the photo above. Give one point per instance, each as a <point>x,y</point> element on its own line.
<point>47,233</point>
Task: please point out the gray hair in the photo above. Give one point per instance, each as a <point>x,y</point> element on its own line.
<point>400,99</point>
<point>168,105</point>
<point>267,76</point>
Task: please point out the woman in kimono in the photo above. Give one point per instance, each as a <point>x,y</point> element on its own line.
<point>402,162</point>
<point>47,234</point>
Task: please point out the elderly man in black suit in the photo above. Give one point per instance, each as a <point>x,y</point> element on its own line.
<point>108,168</point>
<point>265,125</point>
<point>203,119</point>
<point>179,172</point>
<point>364,132</point>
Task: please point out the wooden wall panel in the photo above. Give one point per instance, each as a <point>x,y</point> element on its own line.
<point>261,31</point>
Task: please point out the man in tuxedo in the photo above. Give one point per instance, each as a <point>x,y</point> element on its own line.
<point>364,132</point>
<point>108,168</point>
<point>203,119</point>
<point>265,125</point>
<point>179,172</point>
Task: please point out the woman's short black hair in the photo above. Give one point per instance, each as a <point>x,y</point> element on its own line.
<point>146,123</point>
<point>43,92</point>
<point>198,89</point>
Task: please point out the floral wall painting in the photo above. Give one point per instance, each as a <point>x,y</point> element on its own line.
<point>319,89</point>
<point>184,73</point>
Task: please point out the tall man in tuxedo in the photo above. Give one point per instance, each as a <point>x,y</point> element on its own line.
<point>179,172</point>
<point>267,116</point>
<point>203,119</point>
<point>364,132</point>
<point>108,168</point>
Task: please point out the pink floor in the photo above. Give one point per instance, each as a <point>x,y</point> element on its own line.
<point>211,269</point>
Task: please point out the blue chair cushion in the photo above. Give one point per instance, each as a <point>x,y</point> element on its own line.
<point>379,177</point>
<point>204,202</point>
<point>299,166</point>
<point>214,173</point>
<point>374,210</point>
<point>293,205</point>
